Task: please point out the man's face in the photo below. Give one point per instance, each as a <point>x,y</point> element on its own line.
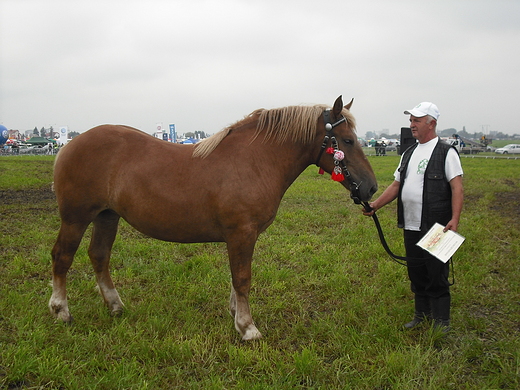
<point>421,129</point>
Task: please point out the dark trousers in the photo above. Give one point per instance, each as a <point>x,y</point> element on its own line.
<point>428,275</point>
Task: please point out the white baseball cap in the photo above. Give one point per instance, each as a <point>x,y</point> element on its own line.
<point>423,109</point>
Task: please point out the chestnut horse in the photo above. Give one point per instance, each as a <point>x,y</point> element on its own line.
<point>226,189</point>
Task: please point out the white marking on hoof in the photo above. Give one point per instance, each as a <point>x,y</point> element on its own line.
<point>112,300</point>
<point>251,333</point>
<point>60,310</point>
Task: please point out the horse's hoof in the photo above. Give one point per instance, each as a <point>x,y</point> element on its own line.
<point>117,312</point>
<point>252,334</point>
<point>66,318</point>
<point>60,313</point>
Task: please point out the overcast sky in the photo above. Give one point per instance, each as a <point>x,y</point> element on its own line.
<point>206,64</point>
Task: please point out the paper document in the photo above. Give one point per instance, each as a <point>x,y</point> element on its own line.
<point>439,244</point>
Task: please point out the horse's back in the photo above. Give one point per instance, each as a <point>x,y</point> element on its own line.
<point>103,139</point>
<point>106,148</point>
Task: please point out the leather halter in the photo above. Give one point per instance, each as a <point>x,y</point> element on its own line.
<point>330,137</point>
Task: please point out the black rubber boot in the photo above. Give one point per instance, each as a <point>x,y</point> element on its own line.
<point>422,311</point>
<point>441,312</point>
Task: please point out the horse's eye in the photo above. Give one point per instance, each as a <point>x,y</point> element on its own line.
<point>348,141</point>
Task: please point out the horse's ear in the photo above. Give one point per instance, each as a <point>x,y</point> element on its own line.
<point>338,106</point>
<point>350,104</point>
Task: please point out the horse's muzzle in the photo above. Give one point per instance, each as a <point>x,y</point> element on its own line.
<point>357,196</point>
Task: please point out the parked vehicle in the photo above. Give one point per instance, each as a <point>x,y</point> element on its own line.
<point>392,147</point>
<point>465,145</point>
<point>384,145</point>
<point>509,149</point>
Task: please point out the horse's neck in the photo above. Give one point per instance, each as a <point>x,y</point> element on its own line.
<point>271,160</point>
<point>283,163</point>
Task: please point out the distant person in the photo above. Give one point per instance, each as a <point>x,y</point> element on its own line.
<point>382,149</point>
<point>377,147</point>
<point>428,188</point>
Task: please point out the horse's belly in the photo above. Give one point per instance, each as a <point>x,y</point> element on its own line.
<point>182,235</point>
<point>176,229</point>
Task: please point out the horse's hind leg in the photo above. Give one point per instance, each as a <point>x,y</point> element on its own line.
<point>103,236</point>
<point>63,253</point>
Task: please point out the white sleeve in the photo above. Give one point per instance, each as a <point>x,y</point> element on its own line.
<point>453,166</point>
<point>397,174</point>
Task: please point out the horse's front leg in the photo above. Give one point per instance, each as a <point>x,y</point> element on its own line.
<point>240,256</point>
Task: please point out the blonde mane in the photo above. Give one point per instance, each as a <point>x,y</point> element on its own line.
<point>294,123</point>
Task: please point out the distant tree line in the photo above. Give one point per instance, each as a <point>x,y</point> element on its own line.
<point>196,134</point>
<point>49,133</point>
<point>43,132</point>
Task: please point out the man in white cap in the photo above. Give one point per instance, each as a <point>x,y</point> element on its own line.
<point>428,186</point>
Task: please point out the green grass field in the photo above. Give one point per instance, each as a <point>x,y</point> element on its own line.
<point>327,299</point>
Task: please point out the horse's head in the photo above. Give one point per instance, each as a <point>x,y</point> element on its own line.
<point>341,154</point>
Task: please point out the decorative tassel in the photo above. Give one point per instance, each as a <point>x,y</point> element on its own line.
<point>339,155</point>
<point>330,150</point>
<point>321,171</point>
<point>337,175</point>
